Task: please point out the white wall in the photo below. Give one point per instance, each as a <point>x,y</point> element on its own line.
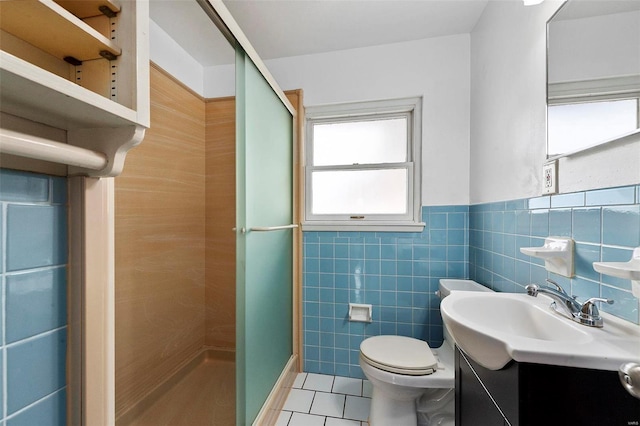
<point>436,69</point>
<point>172,58</point>
<point>508,112</point>
<point>220,81</point>
<point>484,111</point>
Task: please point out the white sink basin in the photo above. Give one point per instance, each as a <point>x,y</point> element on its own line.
<point>495,328</point>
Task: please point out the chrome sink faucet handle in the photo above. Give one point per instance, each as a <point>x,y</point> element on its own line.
<point>589,313</point>
<point>532,289</point>
<point>557,286</point>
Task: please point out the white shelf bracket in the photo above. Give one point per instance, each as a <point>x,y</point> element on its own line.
<point>113,142</point>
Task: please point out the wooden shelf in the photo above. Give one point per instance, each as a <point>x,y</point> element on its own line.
<point>53,29</point>
<point>88,8</point>
<point>33,93</point>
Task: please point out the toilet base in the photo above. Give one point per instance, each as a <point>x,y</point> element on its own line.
<point>386,410</point>
<point>436,407</point>
<point>395,397</point>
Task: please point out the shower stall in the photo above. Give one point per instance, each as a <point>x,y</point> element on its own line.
<point>206,236</point>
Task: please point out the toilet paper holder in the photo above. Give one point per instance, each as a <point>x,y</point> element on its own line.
<point>359,312</point>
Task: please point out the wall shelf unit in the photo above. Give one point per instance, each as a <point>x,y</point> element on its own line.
<point>79,66</point>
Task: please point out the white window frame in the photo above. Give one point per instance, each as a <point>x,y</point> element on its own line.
<point>361,111</point>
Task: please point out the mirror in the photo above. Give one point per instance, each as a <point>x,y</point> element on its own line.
<point>593,74</point>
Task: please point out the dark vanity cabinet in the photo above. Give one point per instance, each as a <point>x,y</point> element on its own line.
<point>523,394</point>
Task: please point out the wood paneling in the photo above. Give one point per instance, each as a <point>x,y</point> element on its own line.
<point>221,217</point>
<point>160,245</point>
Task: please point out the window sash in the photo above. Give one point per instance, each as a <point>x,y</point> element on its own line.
<point>351,119</point>
<point>358,217</point>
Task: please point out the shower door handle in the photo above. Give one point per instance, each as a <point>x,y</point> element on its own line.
<point>272,228</point>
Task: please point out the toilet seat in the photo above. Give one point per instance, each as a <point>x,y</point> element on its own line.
<point>399,354</point>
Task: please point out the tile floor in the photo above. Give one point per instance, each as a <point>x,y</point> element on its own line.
<point>321,400</point>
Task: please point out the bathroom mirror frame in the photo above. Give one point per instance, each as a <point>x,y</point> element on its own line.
<point>582,91</point>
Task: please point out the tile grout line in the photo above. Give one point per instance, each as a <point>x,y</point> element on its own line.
<point>312,400</point>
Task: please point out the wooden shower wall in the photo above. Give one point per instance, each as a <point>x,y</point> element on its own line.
<point>160,245</point>
<point>175,248</point>
<point>220,118</point>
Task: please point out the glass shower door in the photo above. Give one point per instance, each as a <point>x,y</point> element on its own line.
<point>264,135</point>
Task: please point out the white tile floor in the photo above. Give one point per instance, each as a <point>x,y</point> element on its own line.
<point>321,400</point>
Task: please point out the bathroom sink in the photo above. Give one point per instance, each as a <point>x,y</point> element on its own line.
<point>495,328</point>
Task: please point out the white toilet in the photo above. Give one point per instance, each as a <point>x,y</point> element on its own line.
<point>406,373</point>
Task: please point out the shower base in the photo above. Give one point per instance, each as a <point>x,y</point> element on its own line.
<point>202,393</point>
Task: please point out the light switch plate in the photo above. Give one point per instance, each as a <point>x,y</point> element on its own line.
<point>550,178</point>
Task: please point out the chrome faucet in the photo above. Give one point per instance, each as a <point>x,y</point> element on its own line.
<point>586,313</point>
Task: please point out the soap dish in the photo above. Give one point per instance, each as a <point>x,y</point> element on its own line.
<point>626,270</point>
<point>557,253</point>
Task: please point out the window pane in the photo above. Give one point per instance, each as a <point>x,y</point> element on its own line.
<point>360,142</point>
<point>360,192</point>
<point>576,126</point>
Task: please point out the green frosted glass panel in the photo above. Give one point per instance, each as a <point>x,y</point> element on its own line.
<point>264,259</point>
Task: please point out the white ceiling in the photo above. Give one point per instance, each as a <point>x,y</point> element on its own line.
<point>281,28</point>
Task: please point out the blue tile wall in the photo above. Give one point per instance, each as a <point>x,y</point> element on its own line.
<point>397,273</point>
<point>33,320</point>
<point>604,223</point>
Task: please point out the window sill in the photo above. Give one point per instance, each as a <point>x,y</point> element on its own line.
<point>364,226</point>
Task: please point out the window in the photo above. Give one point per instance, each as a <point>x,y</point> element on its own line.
<point>363,166</point>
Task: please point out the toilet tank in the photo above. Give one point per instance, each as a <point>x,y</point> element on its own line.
<point>448,285</point>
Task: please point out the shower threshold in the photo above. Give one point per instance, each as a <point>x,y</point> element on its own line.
<point>202,393</point>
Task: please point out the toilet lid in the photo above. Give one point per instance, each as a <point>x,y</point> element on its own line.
<point>399,354</point>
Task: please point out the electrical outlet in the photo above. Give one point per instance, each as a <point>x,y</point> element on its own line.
<point>550,178</point>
